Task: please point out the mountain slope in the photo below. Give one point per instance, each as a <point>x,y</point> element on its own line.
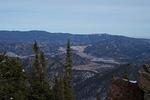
<point>96,57</point>
<point>100,45</point>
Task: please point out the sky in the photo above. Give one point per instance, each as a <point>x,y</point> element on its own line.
<point>119,17</point>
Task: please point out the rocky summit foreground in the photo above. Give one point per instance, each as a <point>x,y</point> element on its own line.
<point>122,89</point>
<point>144,81</point>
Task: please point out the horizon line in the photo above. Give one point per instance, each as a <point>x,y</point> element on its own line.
<point>94,33</point>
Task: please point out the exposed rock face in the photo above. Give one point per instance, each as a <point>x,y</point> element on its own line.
<point>125,90</point>
<point>144,81</point>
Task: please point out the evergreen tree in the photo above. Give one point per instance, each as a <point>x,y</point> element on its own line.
<point>68,63</point>
<point>58,89</point>
<point>98,95</point>
<point>68,88</point>
<point>40,89</point>
<point>125,75</point>
<point>13,81</point>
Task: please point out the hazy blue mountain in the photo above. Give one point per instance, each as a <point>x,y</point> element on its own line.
<point>100,45</point>
<point>96,57</point>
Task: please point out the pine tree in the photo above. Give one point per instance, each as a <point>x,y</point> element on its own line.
<point>13,80</point>
<point>68,63</point>
<point>68,88</point>
<point>125,75</point>
<point>58,89</point>
<point>40,89</point>
<point>98,95</point>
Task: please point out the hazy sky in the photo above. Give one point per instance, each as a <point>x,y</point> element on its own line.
<point>126,17</point>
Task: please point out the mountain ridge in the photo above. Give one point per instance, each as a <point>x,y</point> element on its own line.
<point>100,45</point>
<point>90,53</point>
<point>64,33</point>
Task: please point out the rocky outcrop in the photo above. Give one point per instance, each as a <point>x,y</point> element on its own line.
<point>144,81</point>
<point>122,89</point>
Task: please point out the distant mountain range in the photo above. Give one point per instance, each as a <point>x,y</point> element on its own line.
<point>96,57</point>
<point>100,45</point>
<point>24,36</point>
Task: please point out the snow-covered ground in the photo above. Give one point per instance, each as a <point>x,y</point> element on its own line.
<point>12,54</point>
<point>92,67</point>
<point>80,51</point>
<point>79,48</point>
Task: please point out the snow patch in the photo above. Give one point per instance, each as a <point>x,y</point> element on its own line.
<point>132,81</point>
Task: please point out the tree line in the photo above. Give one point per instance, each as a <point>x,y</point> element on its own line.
<point>17,84</point>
